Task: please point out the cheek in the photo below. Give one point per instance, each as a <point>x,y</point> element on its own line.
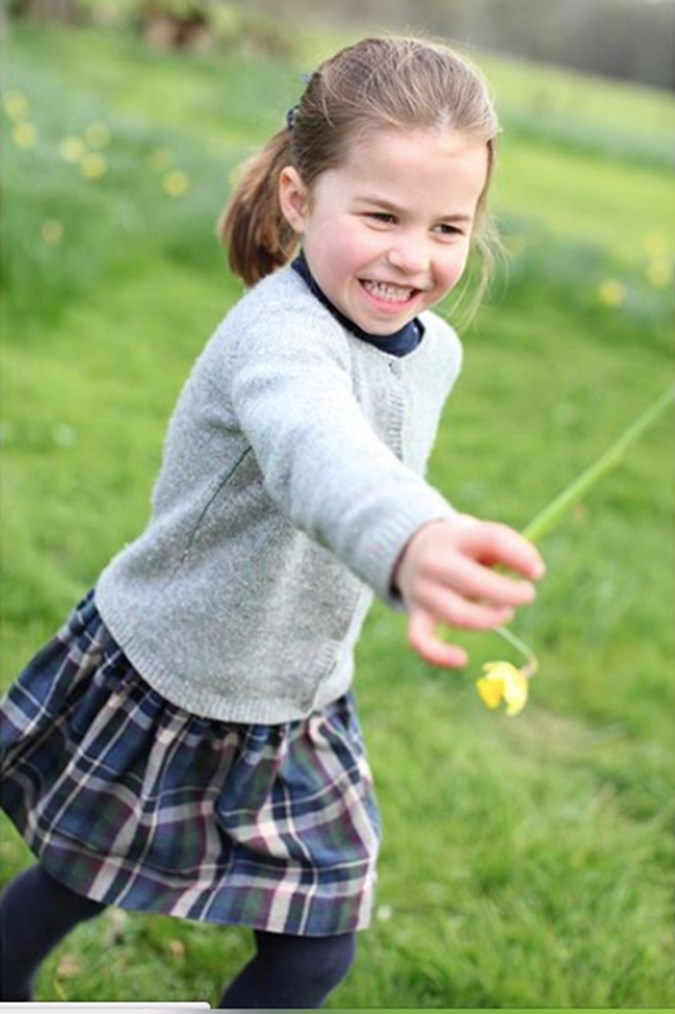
<point>452,269</point>
<point>338,260</point>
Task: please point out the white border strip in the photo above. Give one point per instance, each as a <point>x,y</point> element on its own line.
<point>151,1008</point>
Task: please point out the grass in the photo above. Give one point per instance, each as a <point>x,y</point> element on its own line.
<point>526,862</point>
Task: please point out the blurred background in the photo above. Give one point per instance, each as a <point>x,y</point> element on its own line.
<point>526,862</point>
<point>631,40</point>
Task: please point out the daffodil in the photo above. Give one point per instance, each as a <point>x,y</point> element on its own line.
<point>659,274</point>
<point>71,148</point>
<point>515,245</point>
<point>611,292</point>
<point>15,105</point>
<point>160,159</point>
<point>503,682</point>
<point>97,135</point>
<point>51,231</point>
<point>175,183</point>
<point>656,244</point>
<point>24,135</point>
<point>93,166</point>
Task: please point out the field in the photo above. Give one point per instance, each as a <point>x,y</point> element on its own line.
<point>527,862</point>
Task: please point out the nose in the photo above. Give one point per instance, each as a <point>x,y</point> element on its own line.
<point>409,255</point>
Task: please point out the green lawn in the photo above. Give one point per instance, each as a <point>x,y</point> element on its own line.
<point>527,862</point>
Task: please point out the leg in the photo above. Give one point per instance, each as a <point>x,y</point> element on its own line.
<point>36,913</point>
<point>291,972</point>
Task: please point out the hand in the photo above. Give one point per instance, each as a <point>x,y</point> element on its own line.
<point>445,575</point>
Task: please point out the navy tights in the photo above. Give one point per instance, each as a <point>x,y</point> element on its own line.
<point>37,912</point>
<point>287,971</point>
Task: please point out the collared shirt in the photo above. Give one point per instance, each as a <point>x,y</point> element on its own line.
<point>400,343</point>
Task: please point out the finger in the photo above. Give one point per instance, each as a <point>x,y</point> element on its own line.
<point>491,542</point>
<point>446,606</point>
<point>422,639</point>
<point>477,582</point>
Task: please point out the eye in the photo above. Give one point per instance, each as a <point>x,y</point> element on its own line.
<point>382,217</point>
<point>447,229</point>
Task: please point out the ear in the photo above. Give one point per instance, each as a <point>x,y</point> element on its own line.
<point>293,198</point>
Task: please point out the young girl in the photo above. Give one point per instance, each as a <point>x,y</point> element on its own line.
<point>187,743</point>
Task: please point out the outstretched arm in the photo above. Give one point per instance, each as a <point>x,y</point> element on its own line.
<point>446,575</point>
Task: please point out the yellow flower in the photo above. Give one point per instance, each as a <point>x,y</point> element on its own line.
<point>515,245</point>
<point>175,183</point>
<point>503,682</point>
<point>656,244</point>
<point>611,292</point>
<point>16,105</point>
<point>93,166</point>
<point>52,232</point>
<point>24,135</point>
<point>659,274</point>
<point>160,159</point>
<point>97,135</point>
<point>71,148</point>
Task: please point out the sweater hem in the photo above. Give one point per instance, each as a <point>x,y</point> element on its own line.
<point>217,706</point>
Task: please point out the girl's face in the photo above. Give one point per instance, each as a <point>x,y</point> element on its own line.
<point>387,233</point>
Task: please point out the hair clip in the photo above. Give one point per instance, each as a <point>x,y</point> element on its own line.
<point>291,116</point>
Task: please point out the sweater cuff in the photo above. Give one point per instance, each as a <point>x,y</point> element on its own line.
<point>385,549</point>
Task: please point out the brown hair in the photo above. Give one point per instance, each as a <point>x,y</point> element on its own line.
<point>390,83</point>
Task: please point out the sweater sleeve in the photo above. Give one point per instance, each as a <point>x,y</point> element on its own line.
<point>323,464</point>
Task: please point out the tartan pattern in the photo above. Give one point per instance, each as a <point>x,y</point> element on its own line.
<point>134,802</point>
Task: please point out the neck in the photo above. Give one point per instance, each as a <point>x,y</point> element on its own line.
<point>397,343</point>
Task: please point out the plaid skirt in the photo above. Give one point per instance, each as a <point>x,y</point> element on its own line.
<point>134,802</point>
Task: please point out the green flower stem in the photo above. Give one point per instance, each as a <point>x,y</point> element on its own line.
<point>547,518</point>
<point>532,664</point>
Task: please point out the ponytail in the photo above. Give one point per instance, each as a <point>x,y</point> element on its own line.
<point>252,226</point>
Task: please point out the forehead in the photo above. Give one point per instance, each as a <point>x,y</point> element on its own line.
<point>436,164</point>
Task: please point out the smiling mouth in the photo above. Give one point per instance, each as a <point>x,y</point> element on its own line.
<point>388,293</point>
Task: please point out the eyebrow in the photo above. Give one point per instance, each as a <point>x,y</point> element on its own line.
<point>382,202</point>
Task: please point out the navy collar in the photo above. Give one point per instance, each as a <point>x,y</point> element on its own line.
<point>400,343</point>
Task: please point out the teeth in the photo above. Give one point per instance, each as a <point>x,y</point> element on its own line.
<point>394,293</point>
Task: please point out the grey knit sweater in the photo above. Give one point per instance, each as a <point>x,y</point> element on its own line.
<point>290,484</point>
